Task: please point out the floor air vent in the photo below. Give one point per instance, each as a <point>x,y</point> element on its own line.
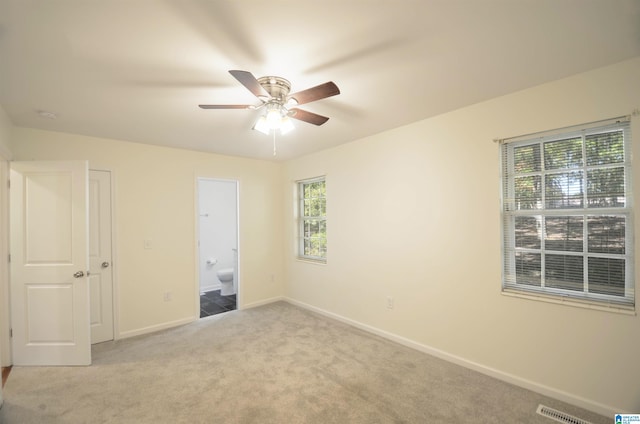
<point>559,416</point>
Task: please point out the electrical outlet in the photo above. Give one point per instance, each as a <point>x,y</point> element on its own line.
<point>389,302</point>
<point>168,296</point>
<point>148,244</point>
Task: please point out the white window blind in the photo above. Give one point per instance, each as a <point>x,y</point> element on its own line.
<point>567,214</point>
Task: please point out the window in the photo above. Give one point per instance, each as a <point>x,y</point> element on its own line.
<point>567,215</point>
<point>313,219</point>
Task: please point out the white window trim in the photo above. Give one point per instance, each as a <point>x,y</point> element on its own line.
<point>319,260</point>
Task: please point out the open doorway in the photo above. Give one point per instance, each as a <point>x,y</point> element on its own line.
<point>217,245</point>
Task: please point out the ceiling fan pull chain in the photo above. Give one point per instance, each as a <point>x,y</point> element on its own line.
<point>274,143</point>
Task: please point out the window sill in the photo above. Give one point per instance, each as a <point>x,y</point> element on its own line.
<point>312,261</point>
<point>618,309</point>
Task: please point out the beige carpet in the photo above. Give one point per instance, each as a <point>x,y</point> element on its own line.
<point>273,364</point>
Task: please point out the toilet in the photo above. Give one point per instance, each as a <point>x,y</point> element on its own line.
<point>226,281</point>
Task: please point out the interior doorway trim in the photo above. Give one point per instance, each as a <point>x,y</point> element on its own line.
<point>196,261</point>
<point>5,303</point>
<point>114,258</point>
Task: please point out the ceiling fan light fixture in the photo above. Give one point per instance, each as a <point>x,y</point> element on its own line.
<point>262,126</point>
<point>274,117</point>
<point>286,125</point>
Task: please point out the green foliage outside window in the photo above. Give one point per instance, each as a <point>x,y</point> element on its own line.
<point>313,223</point>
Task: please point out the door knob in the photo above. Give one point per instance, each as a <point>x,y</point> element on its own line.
<point>105,265</point>
<point>78,274</point>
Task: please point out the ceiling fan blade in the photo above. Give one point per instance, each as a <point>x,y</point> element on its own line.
<point>310,117</point>
<point>250,82</point>
<point>225,106</point>
<point>318,92</point>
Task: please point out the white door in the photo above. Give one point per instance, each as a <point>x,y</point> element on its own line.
<point>49,261</point>
<point>101,276</point>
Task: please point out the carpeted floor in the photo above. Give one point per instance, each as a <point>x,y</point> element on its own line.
<point>272,364</point>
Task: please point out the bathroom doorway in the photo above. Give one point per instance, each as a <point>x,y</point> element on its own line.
<point>217,210</point>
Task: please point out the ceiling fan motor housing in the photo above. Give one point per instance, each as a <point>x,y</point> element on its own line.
<point>277,87</point>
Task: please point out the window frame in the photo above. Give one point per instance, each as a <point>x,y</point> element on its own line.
<point>302,219</point>
<point>510,212</point>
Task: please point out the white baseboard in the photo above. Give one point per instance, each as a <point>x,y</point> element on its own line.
<point>154,328</point>
<point>187,320</point>
<point>262,302</point>
<point>209,288</point>
<point>563,396</point>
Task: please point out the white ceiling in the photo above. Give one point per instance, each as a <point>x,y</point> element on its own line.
<point>136,70</point>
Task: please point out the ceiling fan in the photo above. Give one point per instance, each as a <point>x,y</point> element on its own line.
<point>273,93</point>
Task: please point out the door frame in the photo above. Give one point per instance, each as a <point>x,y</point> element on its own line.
<point>196,219</point>
<point>6,358</point>
<point>114,259</point>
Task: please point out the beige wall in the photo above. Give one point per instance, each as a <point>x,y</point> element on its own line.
<point>154,198</point>
<point>414,213</point>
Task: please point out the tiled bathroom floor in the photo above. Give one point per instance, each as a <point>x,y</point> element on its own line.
<point>212,303</point>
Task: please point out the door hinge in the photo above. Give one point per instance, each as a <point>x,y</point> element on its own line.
<point>10,332</point>
<point>9,255</point>
<point>8,183</point>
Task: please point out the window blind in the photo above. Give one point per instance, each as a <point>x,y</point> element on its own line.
<point>567,213</point>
